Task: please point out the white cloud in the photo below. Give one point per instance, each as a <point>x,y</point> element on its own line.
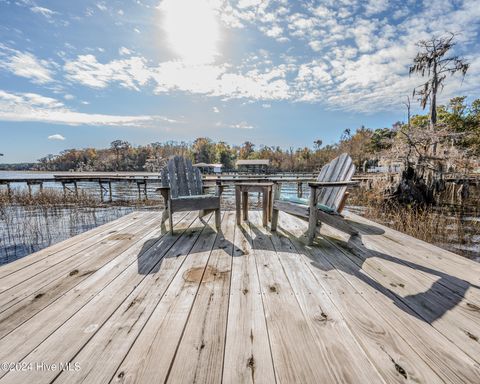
<point>38,108</point>
<point>48,13</point>
<point>68,97</point>
<point>101,6</point>
<point>242,125</point>
<point>123,51</point>
<point>129,73</point>
<point>56,137</point>
<point>345,54</point>
<point>25,64</point>
<point>373,7</point>
<point>215,110</point>
<point>170,76</point>
<point>316,45</point>
<point>136,30</point>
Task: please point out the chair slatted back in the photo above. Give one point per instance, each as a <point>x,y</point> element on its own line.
<point>182,178</point>
<point>339,169</point>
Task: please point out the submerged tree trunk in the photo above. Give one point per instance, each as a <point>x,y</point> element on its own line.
<point>418,186</point>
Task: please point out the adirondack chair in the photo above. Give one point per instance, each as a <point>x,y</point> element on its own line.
<point>327,199</point>
<point>183,190</point>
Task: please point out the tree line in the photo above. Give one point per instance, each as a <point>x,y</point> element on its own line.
<point>459,119</point>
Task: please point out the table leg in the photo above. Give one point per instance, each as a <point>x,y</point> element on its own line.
<point>265,207</point>
<point>245,205</point>
<point>237,203</point>
<point>270,203</point>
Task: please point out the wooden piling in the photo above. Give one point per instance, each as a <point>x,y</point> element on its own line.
<point>300,189</point>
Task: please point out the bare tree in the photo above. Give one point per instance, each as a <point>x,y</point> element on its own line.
<point>407,104</point>
<point>430,62</point>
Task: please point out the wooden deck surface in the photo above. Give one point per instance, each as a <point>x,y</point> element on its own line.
<point>127,302</point>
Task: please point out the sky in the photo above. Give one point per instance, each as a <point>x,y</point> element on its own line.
<point>76,74</point>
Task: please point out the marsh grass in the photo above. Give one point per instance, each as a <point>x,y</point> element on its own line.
<point>29,223</point>
<point>451,227</point>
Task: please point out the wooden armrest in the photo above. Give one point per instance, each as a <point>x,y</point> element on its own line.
<point>165,192</point>
<point>319,184</point>
<point>219,187</point>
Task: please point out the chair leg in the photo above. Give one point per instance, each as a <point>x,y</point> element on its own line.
<point>312,227</point>
<point>274,223</point>
<point>217,218</point>
<point>164,216</point>
<point>276,195</point>
<point>170,220</point>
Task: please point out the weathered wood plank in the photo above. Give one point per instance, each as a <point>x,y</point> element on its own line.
<point>339,169</point>
<point>452,263</point>
<point>195,203</point>
<point>291,208</point>
<point>105,351</point>
<point>160,310</point>
<point>336,221</point>
<point>69,269</point>
<point>248,358</point>
<point>431,301</point>
<point>105,290</point>
<point>22,308</point>
<point>85,239</point>
<point>182,180</point>
<point>151,355</point>
<point>195,179</point>
<point>345,360</point>
<point>292,340</point>
<point>462,281</point>
<point>173,178</point>
<point>199,357</point>
<point>445,358</point>
<point>394,359</point>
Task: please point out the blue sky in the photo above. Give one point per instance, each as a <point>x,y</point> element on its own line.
<point>84,73</point>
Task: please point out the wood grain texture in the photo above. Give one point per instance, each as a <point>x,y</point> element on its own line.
<point>243,305</point>
<point>151,356</point>
<point>53,285</point>
<point>292,339</point>
<point>247,357</point>
<point>199,357</point>
<point>385,347</point>
<point>69,322</point>
<point>104,352</point>
<point>446,358</point>
<point>345,361</point>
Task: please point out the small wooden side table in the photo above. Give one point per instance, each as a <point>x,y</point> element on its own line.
<point>241,199</point>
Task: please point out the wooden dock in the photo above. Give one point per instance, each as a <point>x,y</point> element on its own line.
<point>127,302</point>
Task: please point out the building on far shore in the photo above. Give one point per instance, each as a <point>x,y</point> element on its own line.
<point>209,168</point>
<point>253,166</point>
